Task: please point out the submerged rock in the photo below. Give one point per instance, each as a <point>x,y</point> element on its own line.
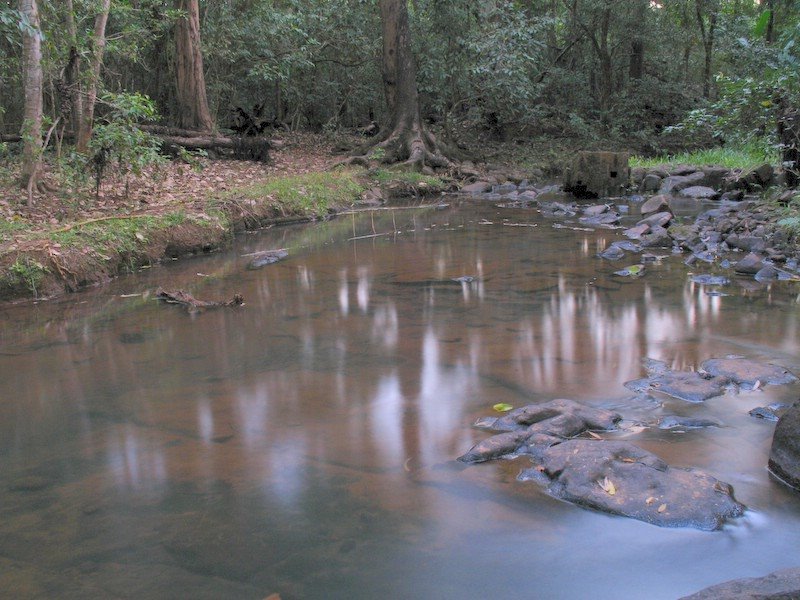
<point>710,279</point>
<point>684,385</point>
<point>748,373</point>
<point>262,259</point>
<point>780,585</point>
<point>676,422</point>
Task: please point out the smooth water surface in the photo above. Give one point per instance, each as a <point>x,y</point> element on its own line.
<point>305,444</point>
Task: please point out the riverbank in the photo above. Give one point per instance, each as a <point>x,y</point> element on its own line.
<point>73,238</point>
<point>76,237</point>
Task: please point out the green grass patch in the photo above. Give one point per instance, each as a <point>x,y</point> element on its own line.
<point>312,194</point>
<point>740,157</point>
<point>123,234</point>
<point>8,227</point>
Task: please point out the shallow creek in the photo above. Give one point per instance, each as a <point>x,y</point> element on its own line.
<point>304,444</point>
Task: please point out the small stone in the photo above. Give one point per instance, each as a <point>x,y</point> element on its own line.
<point>750,264</point>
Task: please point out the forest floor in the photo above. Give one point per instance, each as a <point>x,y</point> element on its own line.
<point>76,236</point>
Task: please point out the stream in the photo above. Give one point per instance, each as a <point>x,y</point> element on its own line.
<point>304,444</point>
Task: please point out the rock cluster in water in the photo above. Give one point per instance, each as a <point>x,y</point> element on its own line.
<point>611,476</point>
<point>619,477</point>
<point>736,223</point>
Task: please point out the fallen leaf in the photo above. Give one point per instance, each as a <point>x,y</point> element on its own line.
<point>608,486</point>
<point>649,501</point>
<point>662,508</point>
<point>502,407</point>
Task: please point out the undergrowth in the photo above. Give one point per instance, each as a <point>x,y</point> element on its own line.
<point>730,157</point>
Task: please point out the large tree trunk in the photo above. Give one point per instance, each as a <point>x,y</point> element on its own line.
<point>405,140</point>
<point>98,47</point>
<point>193,111</point>
<point>32,82</point>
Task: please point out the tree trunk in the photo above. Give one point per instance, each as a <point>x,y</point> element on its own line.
<point>405,140</point>
<point>32,82</point>
<point>72,71</point>
<point>636,64</point>
<point>193,111</point>
<point>707,33</point>
<point>97,47</point>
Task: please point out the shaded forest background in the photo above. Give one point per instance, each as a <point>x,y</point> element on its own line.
<point>652,76</point>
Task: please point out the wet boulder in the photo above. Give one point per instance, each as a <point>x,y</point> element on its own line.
<point>780,585</point>
<point>623,479</point>
<point>689,386</point>
<point>748,373</point>
<point>592,419</point>
<point>784,456</point>
<point>536,425</point>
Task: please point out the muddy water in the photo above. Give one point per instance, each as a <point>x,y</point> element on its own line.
<point>304,444</point>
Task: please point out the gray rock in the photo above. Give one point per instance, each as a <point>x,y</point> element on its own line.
<point>676,422</point>
<point>784,456</point>
<point>658,203</point>
<point>479,187</point>
<point>623,479</point>
<point>657,237</point>
<point>684,385</point>
<point>650,183</point>
<point>596,210</point>
<point>659,219</point>
<point>262,259</point>
<point>676,183</point>
<point>710,279</point>
<point>699,192</point>
<point>780,585</point>
<point>612,253</point>
<point>606,218</point>
<point>747,243</point>
<point>749,265</point>
<point>745,372</point>
<point>636,233</point>
<point>767,273</point>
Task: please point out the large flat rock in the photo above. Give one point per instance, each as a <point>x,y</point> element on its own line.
<point>780,585</point>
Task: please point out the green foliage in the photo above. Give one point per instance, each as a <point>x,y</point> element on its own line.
<point>117,143</point>
<point>26,273</point>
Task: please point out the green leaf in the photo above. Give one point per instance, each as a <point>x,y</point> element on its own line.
<point>502,407</point>
<point>631,271</point>
<point>760,27</point>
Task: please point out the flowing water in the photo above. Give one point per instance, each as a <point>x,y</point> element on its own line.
<point>305,444</point>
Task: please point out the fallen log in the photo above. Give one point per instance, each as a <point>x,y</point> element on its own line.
<point>243,148</point>
<point>191,303</point>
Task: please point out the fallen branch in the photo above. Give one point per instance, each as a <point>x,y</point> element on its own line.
<point>193,304</point>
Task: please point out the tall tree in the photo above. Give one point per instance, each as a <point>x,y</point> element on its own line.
<point>97,49</point>
<point>32,87</point>
<point>706,13</point>
<point>405,139</point>
<point>193,111</point>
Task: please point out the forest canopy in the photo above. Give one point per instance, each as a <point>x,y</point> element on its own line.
<point>653,75</point>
